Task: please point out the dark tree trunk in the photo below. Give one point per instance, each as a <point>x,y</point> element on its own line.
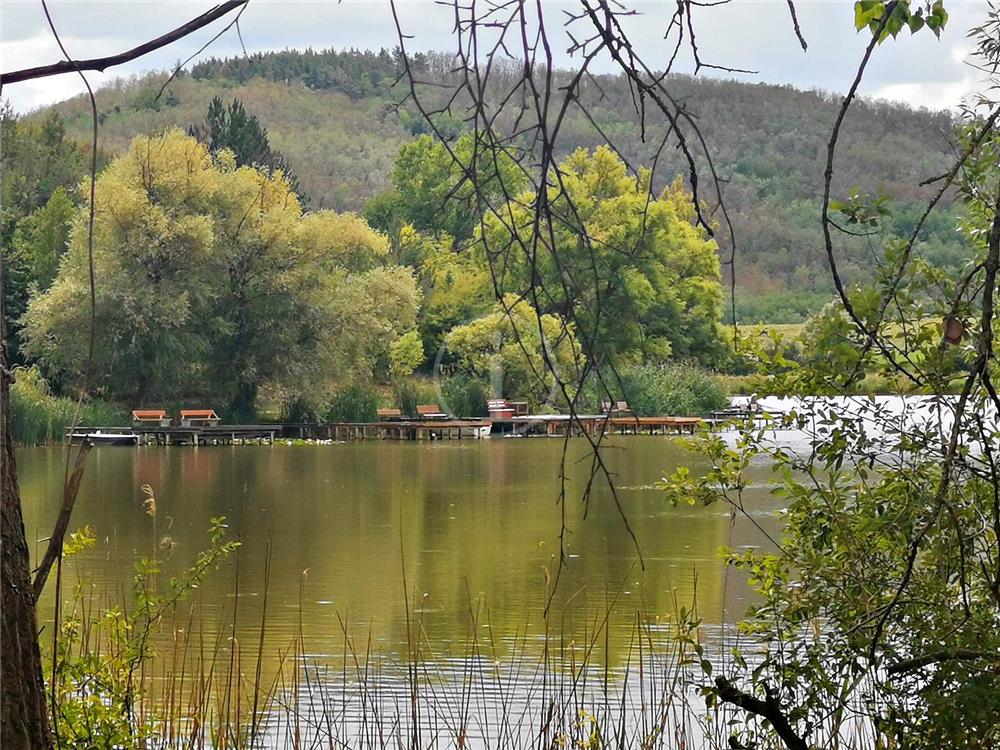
<point>241,408</point>
<point>24,721</point>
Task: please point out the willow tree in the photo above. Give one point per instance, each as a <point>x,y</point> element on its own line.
<point>510,346</point>
<point>438,189</point>
<point>211,281</point>
<point>647,284</point>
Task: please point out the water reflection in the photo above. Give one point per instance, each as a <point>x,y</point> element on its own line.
<point>475,522</point>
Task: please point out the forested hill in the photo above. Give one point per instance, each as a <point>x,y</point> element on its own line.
<point>332,115</point>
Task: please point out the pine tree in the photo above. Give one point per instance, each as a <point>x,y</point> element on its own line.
<point>239,131</point>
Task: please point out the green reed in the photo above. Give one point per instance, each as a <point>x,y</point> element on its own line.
<point>151,668</point>
<point>146,670</point>
<point>38,417</point>
<point>358,402</point>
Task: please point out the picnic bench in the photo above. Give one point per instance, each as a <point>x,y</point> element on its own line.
<point>199,418</point>
<point>150,416</point>
<point>389,415</point>
<point>748,409</point>
<point>501,408</point>
<point>733,412</point>
<point>430,411</point>
<point>617,409</point>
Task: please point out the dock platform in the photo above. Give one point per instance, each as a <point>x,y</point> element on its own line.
<point>406,429</point>
<point>235,434</point>
<point>595,424</point>
<point>431,429</point>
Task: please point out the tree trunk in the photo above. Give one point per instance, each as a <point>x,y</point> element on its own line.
<point>23,718</point>
<point>241,408</point>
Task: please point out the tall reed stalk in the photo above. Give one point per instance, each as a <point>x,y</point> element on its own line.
<point>547,690</point>
<point>40,418</point>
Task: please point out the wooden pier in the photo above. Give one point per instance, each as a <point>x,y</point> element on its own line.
<point>595,424</point>
<point>141,434</point>
<point>432,429</point>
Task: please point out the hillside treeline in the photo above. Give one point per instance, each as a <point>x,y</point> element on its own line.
<point>334,116</point>
<point>214,282</point>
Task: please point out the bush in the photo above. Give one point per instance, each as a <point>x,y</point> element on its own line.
<point>464,396</point>
<point>355,403</point>
<point>786,306</point>
<point>664,390</point>
<point>38,417</point>
<point>409,392</point>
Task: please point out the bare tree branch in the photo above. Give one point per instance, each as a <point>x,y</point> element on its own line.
<point>102,63</point>
<point>769,709</point>
<point>54,550</point>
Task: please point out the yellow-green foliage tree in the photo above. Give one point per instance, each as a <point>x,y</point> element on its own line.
<point>456,285</point>
<point>641,280</point>
<point>432,192</point>
<point>211,282</point>
<point>509,347</point>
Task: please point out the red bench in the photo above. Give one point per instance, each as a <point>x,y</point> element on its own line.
<point>199,418</point>
<point>151,415</point>
<point>501,408</point>
<point>430,411</point>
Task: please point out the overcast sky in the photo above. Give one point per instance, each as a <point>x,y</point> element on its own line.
<point>753,34</point>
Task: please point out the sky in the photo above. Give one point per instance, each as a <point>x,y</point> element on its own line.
<point>921,70</point>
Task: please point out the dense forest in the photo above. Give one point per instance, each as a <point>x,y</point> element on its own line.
<point>336,120</point>
<point>213,280</point>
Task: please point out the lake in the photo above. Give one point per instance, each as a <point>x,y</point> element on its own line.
<point>474,524</point>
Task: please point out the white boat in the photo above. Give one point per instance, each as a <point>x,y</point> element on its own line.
<point>100,437</point>
<point>478,431</point>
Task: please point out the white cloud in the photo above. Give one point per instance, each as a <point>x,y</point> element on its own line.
<point>757,34</point>
<point>965,83</point>
<point>929,95</point>
<point>42,49</point>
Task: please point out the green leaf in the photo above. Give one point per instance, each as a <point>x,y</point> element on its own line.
<point>867,11</point>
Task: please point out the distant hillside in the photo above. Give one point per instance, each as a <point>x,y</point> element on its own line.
<point>332,115</point>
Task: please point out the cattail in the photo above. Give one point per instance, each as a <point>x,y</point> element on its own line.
<point>149,504</point>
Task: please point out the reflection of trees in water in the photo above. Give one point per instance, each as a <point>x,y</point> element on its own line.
<point>476,522</point>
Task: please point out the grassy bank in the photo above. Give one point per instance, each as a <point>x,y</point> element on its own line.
<point>677,390</point>
<point>39,417</point>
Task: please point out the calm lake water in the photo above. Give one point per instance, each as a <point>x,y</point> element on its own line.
<point>475,519</point>
<point>475,523</point>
